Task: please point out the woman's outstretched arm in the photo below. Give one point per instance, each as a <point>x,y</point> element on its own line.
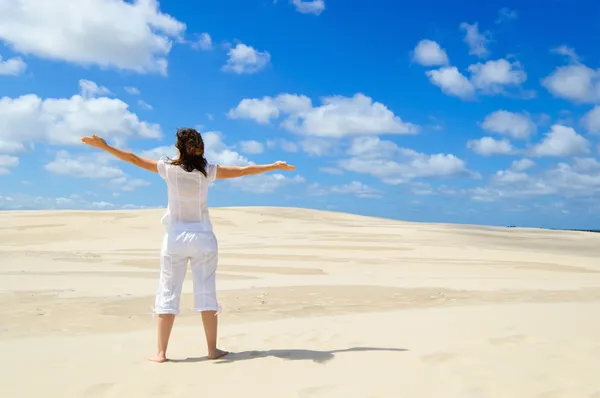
<point>129,157</point>
<point>254,169</point>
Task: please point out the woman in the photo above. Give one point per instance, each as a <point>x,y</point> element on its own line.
<point>189,234</point>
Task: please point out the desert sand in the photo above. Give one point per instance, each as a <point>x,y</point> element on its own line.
<point>315,304</point>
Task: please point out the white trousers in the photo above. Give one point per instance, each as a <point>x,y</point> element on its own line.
<point>200,249</point>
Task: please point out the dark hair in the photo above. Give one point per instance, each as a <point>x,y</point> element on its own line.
<point>191,151</point>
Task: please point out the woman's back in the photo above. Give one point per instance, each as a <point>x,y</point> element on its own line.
<point>187,196</point>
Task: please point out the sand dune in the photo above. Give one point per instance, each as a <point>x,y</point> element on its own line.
<point>316,304</point>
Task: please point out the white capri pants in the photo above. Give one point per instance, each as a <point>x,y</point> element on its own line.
<point>201,250</point>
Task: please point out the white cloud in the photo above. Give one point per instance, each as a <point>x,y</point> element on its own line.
<point>397,165</point>
<point>29,202</point>
<point>29,119</point>
<point>12,66</point>
<point>492,76</point>
<point>568,52</point>
<point>315,7</point>
<point>337,117</point>
<point>591,120</point>
<point>509,177</point>
<point>331,170</point>
<point>144,105</point>
<point>96,166</point>
<point>575,82</point>
<point>245,59</point>
<point>134,36</point>
<point>251,147</point>
<point>285,145</point>
<point>317,146</point>
<point>452,82</point>
<point>158,152</point>
<point>91,89</point>
<point>204,42</point>
<point>216,151</point>
<point>358,189</point>
<point>506,14</point>
<point>561,141</point>
<point>488,146</point>
<point>476,40</point>
<point>265,183</point>
<point>7,163</point>
<point>260,110</point>
<point>522,164</point>
<point>429,53</point>
<point>355,188</point>
<point>579,179</point>
<point>132,90</point>
<point>515,125</point>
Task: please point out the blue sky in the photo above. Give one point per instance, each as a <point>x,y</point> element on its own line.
<point>470,112</point>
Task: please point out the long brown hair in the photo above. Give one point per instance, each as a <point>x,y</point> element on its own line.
<point>191,151</point>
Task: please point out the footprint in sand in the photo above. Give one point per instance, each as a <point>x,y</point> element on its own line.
<point>439,357</point>
<point>560,394</point>
<point>97,390</point>
<point>514,339</point>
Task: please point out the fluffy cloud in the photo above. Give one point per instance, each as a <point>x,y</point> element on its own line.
<point>317,146</point>
<point>561,141</point>
<point>522,164</point>
<point>331,170</point>
<point>12,67</point>
<point>92,32</point>
<point>506,14</point>
<point>285,145</point>
<point>29,202</point>
<point>265,183</point>
<point>96,166</point>
<point>493,76</point>
<point>204,42</point>
<point>591,120</point>
<point>490,78</point>
<point>394,165</point>
<point>476,40</point>
<point>29,119</point>
<point>91,89</point>
<point>514,125</point>
<point>355,188</point>
<point>144,105</point>
<point>315,7</point>
<point>567,52</point>
<point>509,177</point>
<point>245,59</point>
<point>488,146</point>
<point>429,53</point>
<point>452,82</point>
<point>575,82</point>
<point>7,163</point>
<point>132,90</point>
<point>251,147</point>
<point>578,179</point>
<point>337,117</point>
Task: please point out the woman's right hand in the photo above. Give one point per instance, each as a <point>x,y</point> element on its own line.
<point>281,165</point>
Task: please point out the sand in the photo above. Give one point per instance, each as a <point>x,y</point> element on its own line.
<point>315,304</point>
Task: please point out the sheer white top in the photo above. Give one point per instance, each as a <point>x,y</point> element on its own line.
<point>187,197</point>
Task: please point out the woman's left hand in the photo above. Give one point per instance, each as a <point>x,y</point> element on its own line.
<point>94,141</point>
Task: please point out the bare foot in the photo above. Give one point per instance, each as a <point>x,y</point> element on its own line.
<point>157,358</point>
<point>217,354</point>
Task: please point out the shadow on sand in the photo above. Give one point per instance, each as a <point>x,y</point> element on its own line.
<point>290,355</point>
